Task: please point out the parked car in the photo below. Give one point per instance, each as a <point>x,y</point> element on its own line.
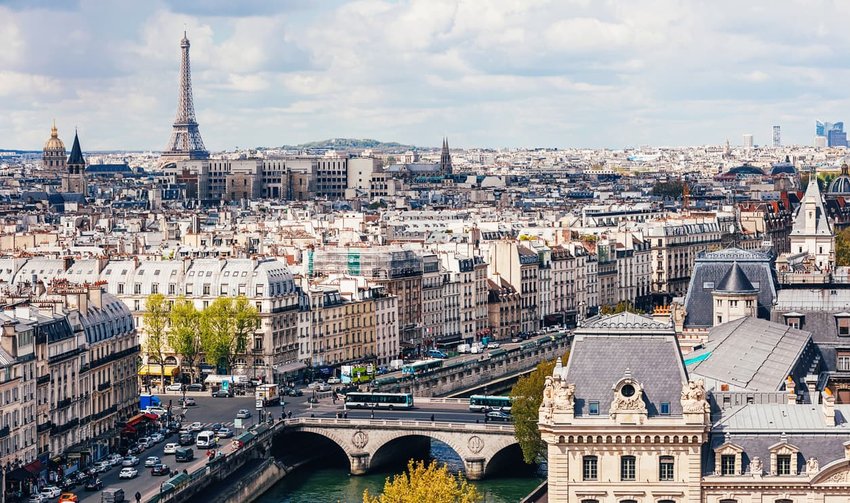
<point>160,469</point>
<point>196,426</point>
<point>188,402</point>
<point>170,448</point>
<point>156,438</point>
<point>67,484</point>
<point>102,466</point>
<point>68,498</point>
<point>293,392</point>
<point>51,492</point>
<point>128,473</point>
<point>36,498</point>
<point>224,432</point>
<point>159,411</point>
<point>315,384</point>
<point>130,461</point>
<point>195,387</point>
<point>151,461</point>
<point>334,380</point>
<point>94,484</point>
<point>145,442</point>
<point>243,414</point>
<point>497,415</point>
<point>136,449</point>
<point>115,459</point>
<point>174,387</point>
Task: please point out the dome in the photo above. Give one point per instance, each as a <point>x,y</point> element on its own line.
<point>745,170</point>
<point>841,185</point>
<point>54,143</point>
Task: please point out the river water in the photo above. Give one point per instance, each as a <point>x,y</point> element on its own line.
<point>320,484</point>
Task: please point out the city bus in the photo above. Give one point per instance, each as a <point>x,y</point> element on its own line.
<point>379,400</point>
<point>483,403</point>
<point>421,366</point>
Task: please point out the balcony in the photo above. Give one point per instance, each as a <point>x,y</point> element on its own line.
<point>104,386</point>
<point>64,356</point>
<point>4,432</point>
<point>114,356</point>
<point>65,402</point>
<point>84,368</point>
<point>42,427</point>
<point>55,430</point>
<point>42,379</point>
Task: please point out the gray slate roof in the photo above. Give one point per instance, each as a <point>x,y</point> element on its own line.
<point>735,281</point>
<point>752,354</point>
<point>818,308</point>
<point>598,362</point>
<point>625,323</point>
<point>710,269</point>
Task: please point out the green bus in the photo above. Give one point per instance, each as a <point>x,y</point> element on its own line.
<point>379,400</point>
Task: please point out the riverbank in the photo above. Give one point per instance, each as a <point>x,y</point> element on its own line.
<point>249,482</point>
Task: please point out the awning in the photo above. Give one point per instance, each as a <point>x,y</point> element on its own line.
<point>289,367</point>
<point>35,467</point>
<point>154,369</point>
<point>20,474</point>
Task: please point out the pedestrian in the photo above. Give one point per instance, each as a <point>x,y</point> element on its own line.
<point>289,415</point>
<point>345,415</point>
<point>432,418</point>
<point>138,496</point>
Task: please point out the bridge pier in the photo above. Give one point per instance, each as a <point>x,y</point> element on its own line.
<point>474,468</point>
<point>359,463</point>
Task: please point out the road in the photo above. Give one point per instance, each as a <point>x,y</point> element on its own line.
<point>223,410</point>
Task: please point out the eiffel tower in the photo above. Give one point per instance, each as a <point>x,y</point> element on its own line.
<point>185,142</point>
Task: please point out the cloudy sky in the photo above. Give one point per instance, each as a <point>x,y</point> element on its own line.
<point>490,73</point>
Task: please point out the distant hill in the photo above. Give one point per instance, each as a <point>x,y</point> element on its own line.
<point>353,144</point>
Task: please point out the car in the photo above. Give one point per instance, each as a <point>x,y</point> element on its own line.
<point>151,461</point>
<point>195,387</point>
<point>145,442</point>
<point>102,466</point>
<point>315,384</point>
<point>185,439</point>
<point>493,345</point>
<point>128,473</point>
<point>174,387</point>
<point>115,459</point>
<point>334,380</point>
<point>159,411</point>
<point>196,426</point>
<point>188,402</point>
<point>51,492</point>
<point>67,484</point>
<point>224,432</point>
<point>293,392</point>
<point>436,353</point>
<point>221,393</point>
<point>130,461</point>
<point>160,469</point>
<point>170,448</point>
<point>36,498</point>
<point>216,426</point>
<point>136,449</point>
<point>497,415</point>
<point>156,438</point>
<point>68,498</point>
<point>184,454</point>
<point>515,339</point>
<point>94,484</point>
<point>243,414</point>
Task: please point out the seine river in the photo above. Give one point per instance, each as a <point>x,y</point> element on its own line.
<point>334,485</point>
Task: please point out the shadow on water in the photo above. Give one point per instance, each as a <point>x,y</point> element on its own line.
<point>327,479</point>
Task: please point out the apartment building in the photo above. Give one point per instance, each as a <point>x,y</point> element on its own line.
<point>518,265</point>
<point>675,248</point>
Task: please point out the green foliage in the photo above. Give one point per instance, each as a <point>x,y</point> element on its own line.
<point>426,484</point>
<point>842,248</point>
<point>226,326</point>
<point>526,397</point>
<point>184,335</point>
<point>155,321</point>
<point>672,189</point>
<point>621,307</point>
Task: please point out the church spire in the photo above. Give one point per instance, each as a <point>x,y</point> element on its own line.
<point>445,158</point>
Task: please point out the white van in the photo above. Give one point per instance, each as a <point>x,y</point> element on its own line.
<point>206,440</point>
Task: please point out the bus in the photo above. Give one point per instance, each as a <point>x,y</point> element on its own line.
<point>379,400</point>
<point>421,366</point>
<point>483,403</point>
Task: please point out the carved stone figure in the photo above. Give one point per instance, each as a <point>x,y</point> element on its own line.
<point>693,397</point>
<point>564,396</point>
<point>812,466</point>
<point>548,392</point>
<point>755,466</point>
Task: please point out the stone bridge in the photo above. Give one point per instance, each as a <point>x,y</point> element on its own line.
<point>361,439</point>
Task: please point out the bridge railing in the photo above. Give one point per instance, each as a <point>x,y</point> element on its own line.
<point>400,423</point>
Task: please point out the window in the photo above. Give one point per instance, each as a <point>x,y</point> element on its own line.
<point>843,360</point>
<point>844,327</point>
<point>155,288</point>
<point>589,468</point>
<point>120,288</point>
<point>665,408</point>
<point>783,464</point>
<point>593,408</point>
<point>189,288</point>
<point>137,288</point>
<point>793,322</point>
<point>727,464</point>
<point>627,468</point>
<point>719,319</point>
<point>665,468</point>
<point>206,290</point>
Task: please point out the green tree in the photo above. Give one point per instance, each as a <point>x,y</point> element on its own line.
<point>422,483</point>
<point>246,322</point>
<point>155,321</point>
<point>842,248</point>
<point>526,397</point>
<point>184,336</point>
<point>620,307</point>
<point>217,326</point>
<point>672,189</point>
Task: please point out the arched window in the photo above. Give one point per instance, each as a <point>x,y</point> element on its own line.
<point>589,501</point>
<point>666,501</point>
<point>170,360</point>
<point>728,501</point>
<point>628,501</point>
<point>784,500</point>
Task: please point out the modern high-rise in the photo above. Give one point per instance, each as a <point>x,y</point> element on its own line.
<point>777,138</point>
<point>748,142</point>
<point>833,132</point>
<point>185,142</point>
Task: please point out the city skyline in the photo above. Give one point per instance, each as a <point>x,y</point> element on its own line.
<point>508,75</point>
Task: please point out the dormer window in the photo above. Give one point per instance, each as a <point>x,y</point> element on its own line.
<point>783,458</point>
<point>727,459</point>
<point>794,320</point>
<point>842,322</point>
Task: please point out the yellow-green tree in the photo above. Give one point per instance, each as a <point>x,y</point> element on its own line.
<point>184,333</point>
<point>156,331</point>
<point>226,326</point>
<point>421,483</point>
<point>842,248</point>
<point>526,397</point>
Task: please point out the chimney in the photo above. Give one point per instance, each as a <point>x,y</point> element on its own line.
<point>22,312</point>
<point>812,386</point>
<point>791,387</point>
<point>96,296</point>
<point>828,407</point>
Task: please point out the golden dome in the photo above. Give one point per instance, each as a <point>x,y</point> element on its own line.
<point>54,143</point>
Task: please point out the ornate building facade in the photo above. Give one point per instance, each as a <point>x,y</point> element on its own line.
<point>54,158</point>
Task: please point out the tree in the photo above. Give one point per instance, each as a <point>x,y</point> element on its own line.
<point>246,321</point>
<point>526,397</point>
<point>842,248</point>
<point>425,484</point>
<point>184,337</point>
<point>620,307</point>
<point>672,189</point>
<point>156,330</point>
<point>217,331</point>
